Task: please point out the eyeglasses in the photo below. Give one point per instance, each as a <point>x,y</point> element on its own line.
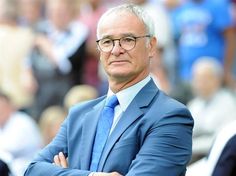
<point>127,43</point>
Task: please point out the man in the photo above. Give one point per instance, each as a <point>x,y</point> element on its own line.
<point>21,39</point>
<point>206,106</point>
<point>205,28</point>
<point>56,60</point>
<point>151,134</point>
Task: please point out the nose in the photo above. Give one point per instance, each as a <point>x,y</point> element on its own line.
<point>117,49</point>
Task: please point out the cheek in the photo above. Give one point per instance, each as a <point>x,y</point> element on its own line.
<point>104,58</point>
<point>141,55</point>
<point>141,60</point>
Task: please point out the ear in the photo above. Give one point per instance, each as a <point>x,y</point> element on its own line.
<point>152,47</point>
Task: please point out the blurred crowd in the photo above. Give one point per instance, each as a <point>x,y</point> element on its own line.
<point>49,61</point>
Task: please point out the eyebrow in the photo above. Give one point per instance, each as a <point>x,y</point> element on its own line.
<point>123,35</point>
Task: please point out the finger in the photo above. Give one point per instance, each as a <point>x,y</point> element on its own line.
<point>116,174</point>
<point>56,160</point>
<point>63,160</point>
<point>106,174</point>
<point>101,174</point>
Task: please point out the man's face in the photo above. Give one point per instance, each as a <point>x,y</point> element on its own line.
<point>31,10</point>
<point>122,65</point>
<point>205,82</point>
<point>59,13</point>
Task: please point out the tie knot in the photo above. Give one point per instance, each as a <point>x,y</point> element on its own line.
<point>112,101</point>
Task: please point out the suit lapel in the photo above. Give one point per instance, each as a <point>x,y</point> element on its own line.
<point>132,113</point>
<point>89,131</point>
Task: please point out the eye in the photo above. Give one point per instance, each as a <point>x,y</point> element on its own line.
<point>128,39</point>
<point>106,42</point>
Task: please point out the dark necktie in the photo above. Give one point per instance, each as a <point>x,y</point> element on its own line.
<point>103,130</point>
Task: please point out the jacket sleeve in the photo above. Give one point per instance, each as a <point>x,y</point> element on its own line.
<point>43,162</point>
<point>167,147</point>
<point>226,164</point>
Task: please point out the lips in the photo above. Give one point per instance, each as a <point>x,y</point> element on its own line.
<point>118,61</point>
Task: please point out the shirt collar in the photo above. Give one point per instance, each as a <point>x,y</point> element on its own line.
<point>126,96</point>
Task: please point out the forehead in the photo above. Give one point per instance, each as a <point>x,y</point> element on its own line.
<point>120,23</point>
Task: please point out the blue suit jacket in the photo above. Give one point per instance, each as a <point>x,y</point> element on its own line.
<point>152,138</point>
<point>226,165</point>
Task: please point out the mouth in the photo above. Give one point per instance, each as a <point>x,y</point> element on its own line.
<point>119,62</point>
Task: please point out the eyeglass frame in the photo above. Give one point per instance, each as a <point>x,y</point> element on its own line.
<point>113,42</point>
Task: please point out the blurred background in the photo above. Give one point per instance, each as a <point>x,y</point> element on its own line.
<point>49,61</point>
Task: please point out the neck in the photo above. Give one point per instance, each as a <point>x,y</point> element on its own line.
<point>118,85</point>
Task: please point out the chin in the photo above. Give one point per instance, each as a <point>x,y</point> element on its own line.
<point>119,72</point>
<point>119,75</point>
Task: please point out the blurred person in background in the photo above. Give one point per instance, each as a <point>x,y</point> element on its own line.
<point>233,3</point>
<point>19,136</point>
<point>52,117</point>
<point>31,13</point>
<point>221,160</point>
<point>205,28</point>
<point>213,106</point>
<point>15,44</point>
<point>163,31</point>
<point>79,93</point>
<point>50,122</point>
<point>57,58</point>
<point>165,72</point>
<point>159,74</point>
<point>171,4</point>
<point>90,12</point>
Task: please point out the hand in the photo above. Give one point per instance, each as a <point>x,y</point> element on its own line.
<point>28,81</point>
<point>60,160</point>
<point>42,42</point>
<point>46,47</point>
<point>106,174</point>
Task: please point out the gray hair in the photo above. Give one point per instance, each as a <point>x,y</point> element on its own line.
<point>134,9</point>
<point>211,63</point>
